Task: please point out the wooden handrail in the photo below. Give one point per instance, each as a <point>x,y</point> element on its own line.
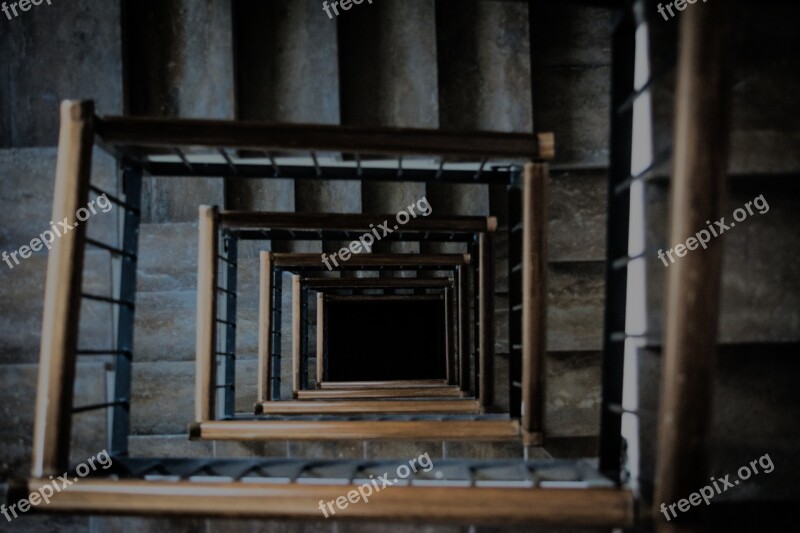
<point>486,319</point>
<point>377,283</point>
<point>693,282</point>
<point>353,222</point>
<point>392,384</point>
<point>419,392</point>
<point>534,294</point>
<point>206,360</point>
<point>300,260</point>
<point>265,327</point>
<point>169,133</point>
<point>62,295</point>
<point>260,430</point>
<point>384,297</point>
<point>567,507</point>
<point>297,325</point>
<point>368,405</point>
<point>320,340</point>
<point>464,331</point>
<point>449,326</point>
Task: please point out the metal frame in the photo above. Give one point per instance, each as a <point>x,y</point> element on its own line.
<point>485,491</point>
<point>138,144</point>
<point>300,264</point>
<point>324,285</point>
<point>231,226</point>
<point>622,83</point>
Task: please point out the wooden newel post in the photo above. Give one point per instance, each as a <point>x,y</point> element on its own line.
<point>486,318</point>
<point>62,296</point>
<point>206,362</point>
<point>692,301</point>
<point>534,294</point>
<point>265,327</point>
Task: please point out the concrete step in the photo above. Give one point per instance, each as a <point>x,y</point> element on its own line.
<point>755,403</point>
<point>27,203</point>
<point>22,290</point>
<point>577,210</point>
<point>572,79</point>
<point>167,257</point>
<point>183,67</point>
<point>760,295</point>
<point>765,129</point>
<point>576,292</point>
<point>51,38</point>
<point>165,326</point>
<point>184,61</point>
<point>162,397</point>
<point>572,393</point>
<point>175,445</point>
<point>393,45</point>
<point>18,409</point>
<point>294,77</point>
<point>484,85</point>
<point>764,125</point>
<point>484,66</point>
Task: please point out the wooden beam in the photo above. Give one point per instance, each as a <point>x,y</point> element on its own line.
<point>449,323</point>
<point>301,260</point>
<point>160,132</point>
<point>354,385</point>
<point>596,507</point>
<point>464,331</point>
<point>377,283</point>
<point>297,326</point>
<point>259,430</point>
<point>534,294</point>
<point>353,222</point>
<point>344,394</point>
<point>62,295</point>
<point>486,319</point>
<point>206,362</point>
<point>384,297</point>
<point>693,282</point>
<point>320,341</point>
<point>322,407</point>
<point>265,327</point>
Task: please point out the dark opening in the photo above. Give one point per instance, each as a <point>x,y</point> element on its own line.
<point>386,340</point>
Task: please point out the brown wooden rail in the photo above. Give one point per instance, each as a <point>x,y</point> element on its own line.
<point>418,392</point>
<point>371,406</point>
<point>301,260</point>
<point>170,133</point>
<point>566,507</point>
<point>257,430</point>
<point>62,294</point>
<point>390,384</point>
<point>353,222</point>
